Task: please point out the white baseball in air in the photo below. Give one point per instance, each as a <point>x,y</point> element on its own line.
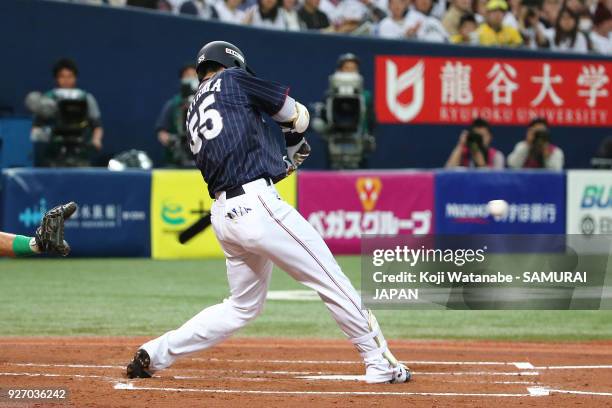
<point>497,208</point>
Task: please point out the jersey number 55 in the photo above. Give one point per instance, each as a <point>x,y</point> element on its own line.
<point>207,123</point>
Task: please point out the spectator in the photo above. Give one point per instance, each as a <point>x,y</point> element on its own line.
<point>451,19</point>
<point>289,15</point>
<point>536,151</point>
<point>438,9</point>
<point>198,8</point>
<point>422,26</point>
<point>532,29</point>
<point>228,11</point>
<point>511,18</point>
<point>376,12</point>
<point>602,29</point>
<point>575,6</point>
<point>480,10</point>
<point>175,4</point>
<point>394,25</point>
<point>356,16</point>
<point>170,125</point>
<point>566,36</point>
<point>467,30</point>
<point>311,17</point>
<point>330,8</point>
<point>474,148</point>
<point>265,14</point>
<point>64,135</point>
<point>164,5</point>
<point>493,31</point>
<point>550,12</point>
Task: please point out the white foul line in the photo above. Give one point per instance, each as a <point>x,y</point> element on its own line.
<point>333,377</point>
<point>492,373</point>
<point>62,365</point>
<point>132,387</point>
<point>545,391</point>
<point>575,367</point>
<point>602,394</point>
<point>59,375</point>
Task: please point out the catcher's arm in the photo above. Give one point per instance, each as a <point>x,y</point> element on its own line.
<point>49,236</point>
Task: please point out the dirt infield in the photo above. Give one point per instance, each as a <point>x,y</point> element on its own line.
<point>272,372</point>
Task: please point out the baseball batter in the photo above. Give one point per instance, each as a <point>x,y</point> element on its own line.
<point>240,162</point>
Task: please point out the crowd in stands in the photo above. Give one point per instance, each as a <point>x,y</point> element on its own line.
<point>558,25</point>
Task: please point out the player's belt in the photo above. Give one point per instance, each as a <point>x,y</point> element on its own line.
<point>238,191</point>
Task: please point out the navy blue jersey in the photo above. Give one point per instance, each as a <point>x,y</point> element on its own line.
<point>228,136</point>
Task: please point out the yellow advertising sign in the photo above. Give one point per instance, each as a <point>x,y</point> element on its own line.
<point>179,199</point>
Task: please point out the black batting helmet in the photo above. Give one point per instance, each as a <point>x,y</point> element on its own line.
<point>222,53</point>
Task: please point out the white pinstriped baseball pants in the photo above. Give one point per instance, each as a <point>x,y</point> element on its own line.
<point>265,230</point>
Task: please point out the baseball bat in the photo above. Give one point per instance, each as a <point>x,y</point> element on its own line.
<point>194,229</point>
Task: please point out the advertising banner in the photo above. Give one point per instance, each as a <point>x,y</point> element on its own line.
<point>536,202</point>
<point>113,214</point>
<point>502,91</point>
<point>343,205</point>
<point>589,202</point>
<point>180,203</point>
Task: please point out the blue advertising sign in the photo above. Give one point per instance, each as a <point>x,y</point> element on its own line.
<point>114,208</point>
<point>536,202</point>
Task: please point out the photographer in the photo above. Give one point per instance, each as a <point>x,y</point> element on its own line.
<point>345,119</point>
<point>170,125</point>
<point>66,129</point>
<point>474,148</point>
<point>536,151</point>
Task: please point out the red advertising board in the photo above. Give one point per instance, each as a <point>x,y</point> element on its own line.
<point>344,205</point>
<point>438,90</point>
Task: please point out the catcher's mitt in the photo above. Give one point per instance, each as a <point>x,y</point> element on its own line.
<point>50,235</point>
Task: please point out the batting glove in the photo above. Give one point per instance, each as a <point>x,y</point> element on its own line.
<point>299,152</point>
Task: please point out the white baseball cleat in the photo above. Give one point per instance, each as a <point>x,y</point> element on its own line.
<point>401,374</point>
<point>384,372</point>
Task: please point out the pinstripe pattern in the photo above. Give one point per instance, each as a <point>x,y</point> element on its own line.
<point>244,150</point>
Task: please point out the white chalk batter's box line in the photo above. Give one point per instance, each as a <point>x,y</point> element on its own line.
<point>280,372</point>
<point>531,392</point>
<point>519,365</point>
<point>241,378</point>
